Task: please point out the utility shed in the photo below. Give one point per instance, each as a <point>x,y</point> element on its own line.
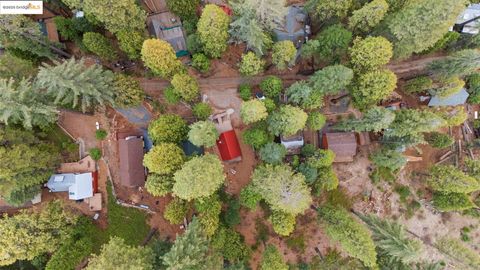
<point>132,172</point>
<point>467,22</point>
<point>343,144</point>
<point>458,98</point>
<point>167,26</point>
<point>229,147</point>
<point>78,186</point>
<point>294,27</point>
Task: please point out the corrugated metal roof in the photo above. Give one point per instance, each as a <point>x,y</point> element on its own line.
<point>228,146</point>
<point>343,144</point>
<point>458,98</point>
<point>132,172</point>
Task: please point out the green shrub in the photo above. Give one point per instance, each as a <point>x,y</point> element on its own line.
<point>269,104</point>
<point>99,45</point>
<point>321,158</point>
<point>100,134</point>
<point>168,128</point>
<point>316,121</point>
<point>95,153</point>
<point>327,180</point>
<point>439,140</point>
<point>457,250</point>
<point>131,43</point>
<point>446,41</point>
<point>418,85</point>
<point>175,211</point>
<point>249,198</point>
<point>473,82</point>
<point>171,96</point>
<point>245,92</point>
<point>194,45</point>
<point>256,137</point>
<point>72,28</point>
<point>297,243</point>
<point>339,198</point>
<point>403,192</point>
<point>310,173</point>
<point>271,87</point>
<point>283,223</point>
<point>447,202</point>
<point>201,62</point>
<point>202,111</point>
<point>273,153</point>
<point>231,245</point>
<point>232,214</point>
<point>308,150</point>
<point>159,185</point>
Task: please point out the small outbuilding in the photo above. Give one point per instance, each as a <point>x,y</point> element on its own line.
<point>294,26</point>
<point>79,186</point>
<point>131,151</point>
<point>458,98</point>
<point>293,143</point>
<point>343,144</point>
<point>229,147</point>
<point>167,26</point>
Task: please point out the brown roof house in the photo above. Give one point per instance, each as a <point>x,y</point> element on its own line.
<point>343,144</point>
<point>131,151</point>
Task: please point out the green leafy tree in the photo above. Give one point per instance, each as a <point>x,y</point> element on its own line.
<point>203,133</point>
<point>329,9</point>
<point>21,104</point>
<point>117,15</point>
<point>269,13</point>
<point>460,252</point>
<point>73,28</point>
<point>439,140</point>
<point>327,180</point>
<point>271,86</point>
<point>159,185</point>
<point>201,62</point>
<point>14,67</point>
<point>273,153</point>
<point>256,137</point>
<point>99,45</point>
<point>316,121</point>
<point>131,43</point>
<point>175,211</point>
<point>287,120</point>
<point>185,9</point>
<point>159,56</point>
<point>212,30</point>
<point>373,87</point>
<point>73,83</point>
<point>301,93</point>
<point>186,86</point>
<point>460,63</point>
<point>272,259</point>
<point>332,79</point>
<point>116,254</point>
<point>209,209</point>
<point>28,235</point>
<point>418,85</point>
<point>245,92</point>
<point>168,128</point>
<point>370,53</point>
<point>375,119</point>
<point>245,27</point>
<point>171,96</point>
<point>282,189</point>
<point>231,245</point>
<point>199,177</point>
<point>128,92</point>
<point>331,44</point>
<point>284,52</point>
<point>249,197</point>
<point>191,250</point>
<point>164,158</point>
<point>369,16</point>
<point>251,64</point>
<point>390,159</point>
<point>321,158</point>
<point>412,122</point>
<point>283,223</point>
<point>202,111</point>
<point>253,111</point>
<point>446,178</point>
<point>448,202</point>
<point>448,86</point>
<point>354,238</point>
<point>414,30</point>
<point>391,240</point>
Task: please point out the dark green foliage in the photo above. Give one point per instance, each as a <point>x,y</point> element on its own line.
<point>327,180</point>
<point>101,134</point>
<point>230,244</point>
<point>245,92</point>
<point>231,216</point>
<point>73,28</point>
<point>99,45</point>
<point>446,41</point>
<point>194,45</point>
<point>159,249</point>
<point>273,153</point>
<point>131,43</point>
<point>354,238</point>
<point>249,198</point>
<point>439,140</point>
<point>19,195</point>
<point>202,111</point>
<point>171,95</point>
<point>333,260</point>
<point>95,153</point>
<point>272,86</point>
<point>201,62</point>
<point>269,104</point>
<point>333,43</point>
<point>321,158</point>
<point>308,150</point>
<point>387,158</point>
<point>403,192</point>
<point>310,172</point>
<point>168,128</point>
<point>473,82</point>
<point>185,9</point>
<point>460,63</point>
<point>418,85</point>
<point>448,202</point>
<point>256,137</point>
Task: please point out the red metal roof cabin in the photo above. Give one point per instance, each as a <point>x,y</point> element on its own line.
<point>229,147</point>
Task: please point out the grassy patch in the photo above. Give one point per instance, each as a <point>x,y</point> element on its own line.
<point>68,147</point>
<point>127,223</point>
<point>296,243</point>
<point>403,192</point>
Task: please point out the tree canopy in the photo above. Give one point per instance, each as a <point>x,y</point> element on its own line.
<point>168,128</point>
<point>245,27</point>
<point>287,120</point>
<point>373,87</point>
<point>282,189</point>
<point>253,111</point>
<point>203,133</point>
<point>272,259</point>
<point>185,86</point>
<point>251,64</point>
<point>324,10</point>
<point>128,92</point>
<point>159,56</point>
<point>199,177</point>
<point>370,53</point>
<point>301,93</point>
<point>185,9</point>
<point>331,79</point>
<point>367,17</point>
<point>375,119</point>
<point>212,30</point>
<point>284,52</point>
<point>164,158</point>
<point>459,63</point>
<point>446,178</point>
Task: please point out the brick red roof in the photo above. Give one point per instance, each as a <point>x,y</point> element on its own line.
<point>228,146</point>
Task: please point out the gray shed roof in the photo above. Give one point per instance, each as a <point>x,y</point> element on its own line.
<point>167,26</point>
<point>78,186</point>
<point>293,27</point>
<point>458,98</point>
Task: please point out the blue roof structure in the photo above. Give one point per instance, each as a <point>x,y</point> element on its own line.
<point>458,98</point>
<point>139,116</point>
